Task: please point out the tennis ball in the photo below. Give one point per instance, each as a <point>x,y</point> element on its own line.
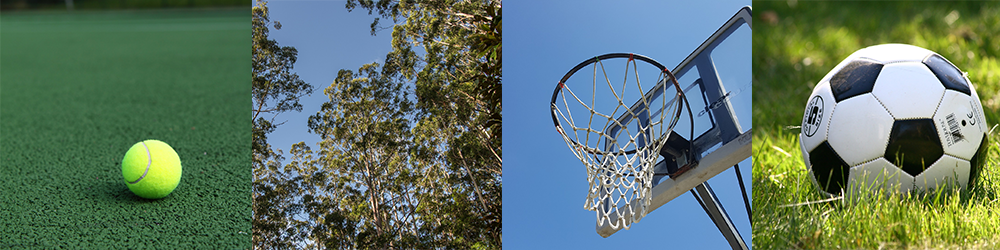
<point>151,169</point>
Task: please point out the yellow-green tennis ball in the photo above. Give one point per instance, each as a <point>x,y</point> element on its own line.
<point>151,169</point>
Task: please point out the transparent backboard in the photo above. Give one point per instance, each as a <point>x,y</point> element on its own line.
<point>717,80</point>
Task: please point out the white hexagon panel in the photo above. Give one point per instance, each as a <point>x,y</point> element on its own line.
<point>859,129</point>
<point>908,90</point>
<point>879,175</point>
<point>961,126</point>
<point>947,170</point>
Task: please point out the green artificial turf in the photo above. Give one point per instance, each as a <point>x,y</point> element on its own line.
<point>78,89</point>
<point>795,44</point>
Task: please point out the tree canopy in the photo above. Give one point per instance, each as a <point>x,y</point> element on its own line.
<point>410,155</point>
<point>457,79</point>
<point>274,89</point>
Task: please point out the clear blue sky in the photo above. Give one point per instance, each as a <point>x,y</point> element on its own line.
<point>544,184</point>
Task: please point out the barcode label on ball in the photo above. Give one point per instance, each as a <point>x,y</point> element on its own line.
<point>955,134</point>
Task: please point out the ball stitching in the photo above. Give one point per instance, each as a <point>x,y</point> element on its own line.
<point>149,156</point>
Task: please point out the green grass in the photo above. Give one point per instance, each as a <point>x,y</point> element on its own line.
<point>795,44</point>
<point>78,89</point>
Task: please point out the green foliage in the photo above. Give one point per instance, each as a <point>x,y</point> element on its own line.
<point>275,89</point>
<point>795,43</point>
<point>462,63</point>
<point>399,172</point>
<point>391,171</point>
<point>368,194</point>
<point>457,83</point>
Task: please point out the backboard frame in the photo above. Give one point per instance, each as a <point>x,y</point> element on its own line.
<point>725,131</point>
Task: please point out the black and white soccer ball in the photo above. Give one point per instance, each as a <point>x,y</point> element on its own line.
<point>894,117</point>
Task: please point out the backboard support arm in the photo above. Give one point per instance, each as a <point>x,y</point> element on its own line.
<point>704,194</point>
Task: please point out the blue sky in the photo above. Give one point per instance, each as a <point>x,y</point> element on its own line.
<point>545,185</point>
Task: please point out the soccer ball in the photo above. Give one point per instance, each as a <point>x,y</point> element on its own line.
<point>893,117</point>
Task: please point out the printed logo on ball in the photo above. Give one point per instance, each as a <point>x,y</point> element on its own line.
<point>812,116</point>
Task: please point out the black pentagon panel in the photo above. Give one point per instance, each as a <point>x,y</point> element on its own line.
<point>856,78</point>
<point>829,169</point>
<point>947,73</point>
<point>913,145</point>
<point>977,162</point>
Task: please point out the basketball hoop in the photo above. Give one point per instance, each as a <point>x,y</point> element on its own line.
<point>620,148</point>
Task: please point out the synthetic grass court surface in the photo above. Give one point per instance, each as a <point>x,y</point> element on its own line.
<point>77,90</point>
<point>795,44</point>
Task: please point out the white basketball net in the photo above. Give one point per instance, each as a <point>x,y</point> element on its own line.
<point>619,163</point>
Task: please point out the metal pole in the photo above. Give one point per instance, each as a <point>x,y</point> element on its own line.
<point>705,196</point>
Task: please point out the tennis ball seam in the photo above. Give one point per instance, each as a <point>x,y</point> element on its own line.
<point>149,156</point>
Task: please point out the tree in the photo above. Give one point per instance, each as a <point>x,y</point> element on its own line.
<point>393,171</point>
<point>458,87</point>
<point>275,89</point>
<point>364,180</point>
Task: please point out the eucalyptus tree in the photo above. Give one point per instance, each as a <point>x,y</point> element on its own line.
<point>275,89</point>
